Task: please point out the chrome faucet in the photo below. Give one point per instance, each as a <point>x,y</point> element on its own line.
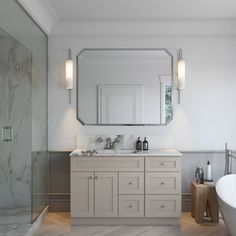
<point>228,160</point>
<point>111,144</point>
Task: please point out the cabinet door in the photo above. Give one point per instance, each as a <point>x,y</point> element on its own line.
<point>82,194</point>
<point>106,194</point>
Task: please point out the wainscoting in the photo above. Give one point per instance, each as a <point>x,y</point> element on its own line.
<point>59,176</point>
<point>59,181</point>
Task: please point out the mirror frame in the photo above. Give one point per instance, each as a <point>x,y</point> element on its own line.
<point>118,49</point>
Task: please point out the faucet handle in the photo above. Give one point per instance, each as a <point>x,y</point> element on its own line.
<point>99,140</point>
<point>117,139</point>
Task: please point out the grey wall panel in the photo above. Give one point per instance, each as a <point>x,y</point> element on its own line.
<point>59,181</point>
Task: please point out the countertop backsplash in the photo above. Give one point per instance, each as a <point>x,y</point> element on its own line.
<point>90,141</point>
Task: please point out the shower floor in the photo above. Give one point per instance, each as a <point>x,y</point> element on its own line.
<point>15,222</point>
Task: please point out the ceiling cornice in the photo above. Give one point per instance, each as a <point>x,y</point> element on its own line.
<point>141,27</point>
<point>51,8</point>
<point>42,12</point>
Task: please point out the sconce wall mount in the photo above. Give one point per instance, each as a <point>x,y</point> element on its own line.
<point>69,74</point>
<point>180,74</point>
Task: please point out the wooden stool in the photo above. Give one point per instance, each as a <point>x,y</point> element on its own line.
<point>204,198</point>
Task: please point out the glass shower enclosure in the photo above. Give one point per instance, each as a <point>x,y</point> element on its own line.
<point>23,118</point>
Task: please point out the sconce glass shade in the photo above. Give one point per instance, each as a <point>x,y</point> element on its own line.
<point>181,74</point>
<point>69,74</point>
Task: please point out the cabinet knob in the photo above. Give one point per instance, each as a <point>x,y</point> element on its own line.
<point>90,177</point>
<point>96,177</point>
<point>163,206</point>
<point>163,164</point>
<point>162,183</point>
<point>130,206</point>
<point>130,183</point>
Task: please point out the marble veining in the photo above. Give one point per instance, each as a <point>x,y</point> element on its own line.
<point>15,111</point>
<point>128,152</point>
<point>14,222</point>
<point>89,141</point>
<point>23,162</point>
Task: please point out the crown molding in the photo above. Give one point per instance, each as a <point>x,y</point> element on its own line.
<point>42,12</point>
<point>52,10</point>
<point>145,27</point>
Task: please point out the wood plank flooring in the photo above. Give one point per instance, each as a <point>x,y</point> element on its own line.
<point>58,224</point>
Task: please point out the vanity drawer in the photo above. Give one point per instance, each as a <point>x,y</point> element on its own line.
<point>162,183</point>
<point>163,206</point>
<point>107,164</point>
<point>131,206</point>
<point>131,182</point>
<point>162,164</point>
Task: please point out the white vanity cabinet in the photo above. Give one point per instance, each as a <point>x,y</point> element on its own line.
<point>125,190</point>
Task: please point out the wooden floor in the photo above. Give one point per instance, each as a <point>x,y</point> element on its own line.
<point>58,224</point>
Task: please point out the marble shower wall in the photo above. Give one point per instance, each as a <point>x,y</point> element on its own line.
<point>15,111</point>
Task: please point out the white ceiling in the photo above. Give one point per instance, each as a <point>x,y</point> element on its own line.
<point>136,9</point>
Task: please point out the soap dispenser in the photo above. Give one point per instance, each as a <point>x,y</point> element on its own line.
<point>145,144</point>
<point>138,144</point>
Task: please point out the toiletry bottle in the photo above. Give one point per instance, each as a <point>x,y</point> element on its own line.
<point>201,175</point>
<point>197,178</point>
<point>197,175</point>
<point>138,144</point>
<point>208,171</point>
<point>145,144</point>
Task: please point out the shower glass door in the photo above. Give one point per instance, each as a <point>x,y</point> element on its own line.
<point>15,120</point>
<point>23,118</point>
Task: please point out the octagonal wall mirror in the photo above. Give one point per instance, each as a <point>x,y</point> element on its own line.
<point>124,86</point>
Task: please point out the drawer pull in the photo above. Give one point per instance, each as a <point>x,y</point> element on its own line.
<point>130,183</point>
<point>90,177</point>
<point>96,177</point>
<point>163,164</point>
<point>162,183</point>
<point>130,206</point>
<point>163,206</point>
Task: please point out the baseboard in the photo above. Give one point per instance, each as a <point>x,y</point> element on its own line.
<point>186,202</point>
<point>125,221</point>
<point>61,203</point>
<point>37,222</point>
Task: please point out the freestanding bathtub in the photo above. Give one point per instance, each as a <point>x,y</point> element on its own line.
<point>226,192</point>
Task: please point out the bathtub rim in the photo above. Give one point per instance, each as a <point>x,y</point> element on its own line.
<point>218,191</point>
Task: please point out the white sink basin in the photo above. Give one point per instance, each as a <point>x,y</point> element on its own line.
<point>123,151</point>
<point>116,151</point>
<point>105,151</point>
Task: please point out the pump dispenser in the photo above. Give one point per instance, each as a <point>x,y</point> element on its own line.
<point>145,144</point>
<point>138,144</point>
<point>208,171</point>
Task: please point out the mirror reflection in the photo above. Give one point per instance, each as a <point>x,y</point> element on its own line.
<point>124,87</point>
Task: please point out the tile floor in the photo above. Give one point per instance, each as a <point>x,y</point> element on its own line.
<point>15,222</point>
<point>58,224</point>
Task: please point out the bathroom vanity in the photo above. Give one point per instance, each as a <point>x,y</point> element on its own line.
<point>126,188</point>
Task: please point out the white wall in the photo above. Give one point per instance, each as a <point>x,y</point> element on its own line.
<point>206,117</point>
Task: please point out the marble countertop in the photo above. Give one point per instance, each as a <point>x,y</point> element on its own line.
<point>128,153</point>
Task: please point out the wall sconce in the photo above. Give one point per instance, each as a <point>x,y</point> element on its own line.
<point>181,74</point>
<point>69,74</point>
